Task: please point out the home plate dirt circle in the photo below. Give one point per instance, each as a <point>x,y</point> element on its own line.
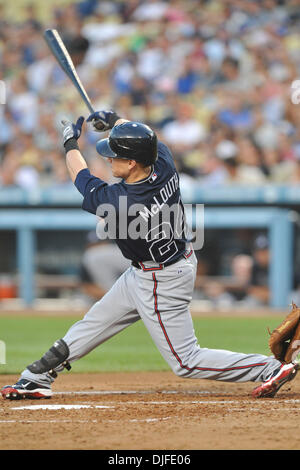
<point>150,410</point>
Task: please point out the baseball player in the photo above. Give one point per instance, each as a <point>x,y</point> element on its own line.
<point>157,288</point>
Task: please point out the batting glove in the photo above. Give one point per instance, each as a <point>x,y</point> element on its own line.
<point>103,120</point>
<point>72,131</point>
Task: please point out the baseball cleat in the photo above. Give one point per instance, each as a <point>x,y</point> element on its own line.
<point>270,387</point>
<point>25,389</point>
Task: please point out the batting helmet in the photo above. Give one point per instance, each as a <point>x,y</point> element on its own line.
<point>130,141</point>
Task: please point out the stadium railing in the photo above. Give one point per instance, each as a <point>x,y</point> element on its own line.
<point>220,195</point>
<point>278,221</point>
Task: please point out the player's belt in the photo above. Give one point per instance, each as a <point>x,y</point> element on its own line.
<point>158,267</point>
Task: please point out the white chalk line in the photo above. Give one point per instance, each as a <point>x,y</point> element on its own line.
<point>276,406</point>
<point>151,420</point>
<point>139,392</point>
<point>119,404</point>
<point>114,405</point>
<point>72,421</point>
<point>59,407</point>
<point>134,420</point>
<point>48,421</point>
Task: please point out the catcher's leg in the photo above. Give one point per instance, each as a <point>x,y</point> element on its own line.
<point>114,312</point>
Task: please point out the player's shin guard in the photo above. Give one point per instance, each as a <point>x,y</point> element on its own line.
<point>56,356</point>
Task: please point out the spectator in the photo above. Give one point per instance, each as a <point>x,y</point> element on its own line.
<point>228,73</point>
<point>189,77</point>
<point>225,291</point>
<point>96,282</point>
<point>295,175</point>
<point>8,170</point>
<point>258,293</point>
<point>150,11</point>
<point>151,61</point>
<point>236,113</point>
<point>185,132</point>
<point>23,104</point>
<point>139,91</point>
<point>229,171</point>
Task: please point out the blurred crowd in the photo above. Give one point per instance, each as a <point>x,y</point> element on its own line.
<point>212,77</point>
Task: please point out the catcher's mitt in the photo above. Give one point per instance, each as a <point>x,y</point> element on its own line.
<point>284,341</point>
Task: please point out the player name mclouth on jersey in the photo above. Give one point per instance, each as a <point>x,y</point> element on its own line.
<point>165,193</point>
<point>146,218</point>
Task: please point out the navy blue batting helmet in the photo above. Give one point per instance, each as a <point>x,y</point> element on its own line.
<point>130,141</point>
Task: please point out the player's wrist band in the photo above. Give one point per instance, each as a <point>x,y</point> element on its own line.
<point>71,144</point>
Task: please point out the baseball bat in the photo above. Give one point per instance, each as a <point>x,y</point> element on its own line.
<point>62,56</point>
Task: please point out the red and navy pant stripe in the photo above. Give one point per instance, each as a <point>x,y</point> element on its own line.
<point>182,365</point>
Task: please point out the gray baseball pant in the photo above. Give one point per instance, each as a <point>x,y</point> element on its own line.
<point>160,297</point>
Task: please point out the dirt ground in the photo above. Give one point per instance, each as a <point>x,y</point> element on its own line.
<point>150,410</point>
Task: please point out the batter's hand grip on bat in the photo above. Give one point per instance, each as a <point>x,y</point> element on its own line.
<point>103,120</point>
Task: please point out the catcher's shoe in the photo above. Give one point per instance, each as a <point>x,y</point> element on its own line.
<point>270,387</point>
<point>25,389</point>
